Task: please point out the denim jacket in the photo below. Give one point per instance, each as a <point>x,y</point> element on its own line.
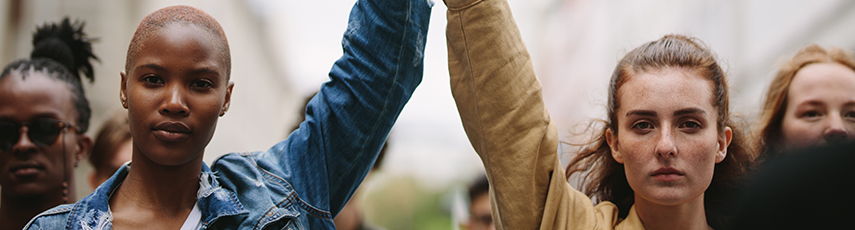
<point>303,181</point>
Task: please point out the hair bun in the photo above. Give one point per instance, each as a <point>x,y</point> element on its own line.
<point>67,44</point>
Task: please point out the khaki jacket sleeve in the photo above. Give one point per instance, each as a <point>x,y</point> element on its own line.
<point>501,106</point>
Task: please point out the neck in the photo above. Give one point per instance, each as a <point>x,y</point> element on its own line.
<point>16,211</point>
<point>690,215</point>
<point>167,190</point>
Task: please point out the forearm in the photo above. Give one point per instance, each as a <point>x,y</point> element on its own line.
<point>381,66</point>
<point>501,106</point>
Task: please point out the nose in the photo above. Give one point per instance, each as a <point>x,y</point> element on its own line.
<point>24,145</point>
<point>666,146</point>
<point>836,130</point>
<point>175,104</point>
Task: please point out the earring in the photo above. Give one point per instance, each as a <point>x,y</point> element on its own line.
<point>125,104</point>
<point>65,192</point>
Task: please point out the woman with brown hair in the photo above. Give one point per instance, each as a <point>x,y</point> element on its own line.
<point>811,101</point>
<point>664,158</point>
<point>657,111</point>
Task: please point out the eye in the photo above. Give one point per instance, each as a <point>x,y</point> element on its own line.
<point>690,125</point>
<point>811,114</point>
<point>849,116</point>
<point>642,126</point>
<point>152,79</point>
<point>201,84</point>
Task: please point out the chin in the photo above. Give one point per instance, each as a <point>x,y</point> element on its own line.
<point>670,197</point>
<point>171,156</point>
<point>670,200</point>
<point>28,190</point>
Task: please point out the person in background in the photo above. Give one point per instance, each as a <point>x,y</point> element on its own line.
<point>112,148</point>
<point>810,101</point>
<point>44,115</point>
<point>809,188</point>
<point>480,216</point>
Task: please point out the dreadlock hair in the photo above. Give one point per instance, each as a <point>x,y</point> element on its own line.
<point>61,51</point>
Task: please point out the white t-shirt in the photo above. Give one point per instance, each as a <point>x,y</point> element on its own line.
<point>194,220</point>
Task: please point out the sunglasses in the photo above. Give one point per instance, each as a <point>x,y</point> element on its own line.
<point>42,132</point>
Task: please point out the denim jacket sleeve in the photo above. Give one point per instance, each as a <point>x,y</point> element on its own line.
<point>501,106</point>
<point>348,121</point>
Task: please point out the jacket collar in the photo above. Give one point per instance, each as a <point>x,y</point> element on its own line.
<point>215,202</point>
<point>631,222</point>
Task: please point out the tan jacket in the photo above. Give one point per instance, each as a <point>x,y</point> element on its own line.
<point>502,109</point>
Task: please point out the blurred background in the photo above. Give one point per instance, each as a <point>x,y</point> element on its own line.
<point>282,51</point>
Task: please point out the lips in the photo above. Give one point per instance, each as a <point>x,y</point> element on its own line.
<point>667,174</point>
<point>172,131</point>
<point>25,169</point>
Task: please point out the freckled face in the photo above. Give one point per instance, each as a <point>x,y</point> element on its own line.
<point>667,138</point>
<point>820,106</point>
<point>27,168</point>
<point>175,89</point>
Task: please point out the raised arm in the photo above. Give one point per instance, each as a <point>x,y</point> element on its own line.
<point>500,103</point>
<point>348,121</point>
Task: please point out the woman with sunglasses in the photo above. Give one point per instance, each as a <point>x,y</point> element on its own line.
<point>43,119</point>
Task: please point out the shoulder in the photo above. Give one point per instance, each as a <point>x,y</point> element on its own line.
<point>241,162</point>
<point>53,218</point>
<point>253,168</point>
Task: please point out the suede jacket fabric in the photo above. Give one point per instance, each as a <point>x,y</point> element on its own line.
<point>303,181</point>
<point>500,103</point>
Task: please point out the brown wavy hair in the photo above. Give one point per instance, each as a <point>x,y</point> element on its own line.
<point>768,140</point>
<point>607,181</point>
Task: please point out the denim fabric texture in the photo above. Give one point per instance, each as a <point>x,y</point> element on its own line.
<point>303,181</point>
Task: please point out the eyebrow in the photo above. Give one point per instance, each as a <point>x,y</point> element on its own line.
<point>152,66</point>
<point>50,115</point>
<point>812,102</point>
<point>645,113</point>
<point>199,71</point>
<point>682,112</point>
<point>688,111</point>
<point>204,70</point>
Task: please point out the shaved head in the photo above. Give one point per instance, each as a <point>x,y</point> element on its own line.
<point>155,21</point>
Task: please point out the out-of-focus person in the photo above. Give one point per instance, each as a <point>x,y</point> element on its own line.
<point>810,101</point>
<point>480,215</point>
<point>44,115</point>
<point>112,148</point>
